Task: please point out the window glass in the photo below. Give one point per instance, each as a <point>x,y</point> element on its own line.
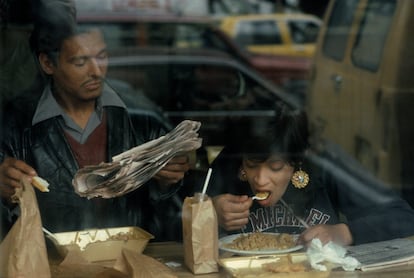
<point>177,60</point>
<point>264,32</point>
<point>372,34</point>
<point>181,35</point>
<point>339,27</point>
<point>303,31</point>
<point>117,35</point>
<point>193,85</point>
<point>159,34</point>
<point>222,97</point>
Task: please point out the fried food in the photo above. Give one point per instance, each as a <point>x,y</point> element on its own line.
<point>40,184</point>
<point>262,241</point>
<point>284,265</point>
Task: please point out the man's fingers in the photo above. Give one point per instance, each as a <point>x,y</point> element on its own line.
<point>15,169</point>
<point>11,173</point>
<point>181,159</point>
<point>25,168</point>
<point>176,167</point>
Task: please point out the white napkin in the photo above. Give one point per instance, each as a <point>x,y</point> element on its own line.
<point>330,252</point>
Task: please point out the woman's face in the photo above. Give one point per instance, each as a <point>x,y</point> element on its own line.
<point>272,176</point>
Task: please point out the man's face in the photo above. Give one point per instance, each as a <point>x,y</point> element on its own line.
<point>81,67</point>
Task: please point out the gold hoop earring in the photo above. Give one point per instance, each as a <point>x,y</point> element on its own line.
<point>300,179</point>
<point>242,175</point>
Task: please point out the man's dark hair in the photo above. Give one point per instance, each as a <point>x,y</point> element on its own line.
<point>53,22</point>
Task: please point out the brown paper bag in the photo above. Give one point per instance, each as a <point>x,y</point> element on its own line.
<point>75,265</point>
<point>137,265</point>
<point>200,235</point>
<point>23,250</point>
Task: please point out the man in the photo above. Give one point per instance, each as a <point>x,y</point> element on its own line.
<point>77,121</point>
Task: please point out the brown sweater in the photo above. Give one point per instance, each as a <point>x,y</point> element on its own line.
<point>93,151</point>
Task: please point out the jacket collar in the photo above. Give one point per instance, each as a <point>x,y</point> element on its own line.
<point>48,107</point>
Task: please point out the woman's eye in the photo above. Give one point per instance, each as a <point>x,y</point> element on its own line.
<point>251,165</point>
<point>276,166</point>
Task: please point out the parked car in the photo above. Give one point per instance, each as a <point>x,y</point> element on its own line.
<point>289,34</point>
<point>362,92</point>
<point>125,30</point>
<point>202,85</point>
<point>229,99</point>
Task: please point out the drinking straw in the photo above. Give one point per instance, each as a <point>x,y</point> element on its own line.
<point>206,183</point>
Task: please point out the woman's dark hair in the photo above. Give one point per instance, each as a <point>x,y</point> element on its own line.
<point>287,135</point>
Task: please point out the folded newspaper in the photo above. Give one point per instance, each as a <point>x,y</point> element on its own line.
<point>131,169</point>
<point>383,254</point>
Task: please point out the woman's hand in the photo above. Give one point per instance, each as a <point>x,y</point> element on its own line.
<point>11,172</point>
<point>232,211</point>
<point>338,233</point>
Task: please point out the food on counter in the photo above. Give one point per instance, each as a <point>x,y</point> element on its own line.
<point>40,184</point>
<point>125,236</point>
<point>262,241</point>
<point>285,265</point>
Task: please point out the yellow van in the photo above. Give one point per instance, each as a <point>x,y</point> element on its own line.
<point>362,86</point>
<point>291,34</point>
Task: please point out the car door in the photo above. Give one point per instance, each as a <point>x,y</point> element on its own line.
<point>345,99</point>
<point>330,90</point>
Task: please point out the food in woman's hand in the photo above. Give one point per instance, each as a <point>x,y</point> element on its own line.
<point>261,195</point>
<point>40,184</point>
<point>262,241</point>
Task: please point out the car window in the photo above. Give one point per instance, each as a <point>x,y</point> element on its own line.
<point>180,35</point>
<point>189,36</point>
<point>221,96</point>
<point>370,41</point>
<point>195,87</point>
<point>303,31</point>
<point>117,35</point>
<point>174,34</point>
<point>338,29</point>
<point>254,32</point>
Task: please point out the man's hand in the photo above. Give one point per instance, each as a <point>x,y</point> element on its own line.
<point>11,172</point>
<point>174,171</point>
<point>232,211</point>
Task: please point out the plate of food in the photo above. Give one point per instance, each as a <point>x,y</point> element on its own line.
<point>259,243</point>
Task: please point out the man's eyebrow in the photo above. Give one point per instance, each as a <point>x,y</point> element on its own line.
<point>85,57</point>
<point>77,58</point>
<point>103,51</point>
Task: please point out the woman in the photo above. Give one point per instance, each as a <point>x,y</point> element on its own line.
<point>308,194</point>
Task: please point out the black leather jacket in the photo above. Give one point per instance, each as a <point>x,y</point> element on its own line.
<point>45,148</point>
